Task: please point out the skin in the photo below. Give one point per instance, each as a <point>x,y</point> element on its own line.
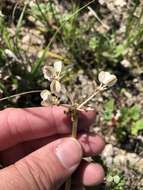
<point>29,139</point>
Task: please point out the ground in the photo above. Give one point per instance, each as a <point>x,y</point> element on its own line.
<point>88,37</point>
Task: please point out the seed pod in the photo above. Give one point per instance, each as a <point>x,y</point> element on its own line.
<point>49,72</point>
<point>52,100</point>
<point>45,94</point>
<point>58,66</point>
<point>107,79</point>
<point>55,87</point>
<point>45,103</point>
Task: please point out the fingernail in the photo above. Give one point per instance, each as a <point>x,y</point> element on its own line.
<point>69,153</point>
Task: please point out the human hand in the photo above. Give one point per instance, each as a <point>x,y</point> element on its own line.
<point>38,154</point>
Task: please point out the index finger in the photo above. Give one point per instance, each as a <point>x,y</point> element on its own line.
<point>20,125</point>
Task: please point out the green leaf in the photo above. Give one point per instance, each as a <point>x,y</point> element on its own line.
<point>135,112</point>
<point>2,86</point>
<point>19,24</point>
<point>124,116</point>
<point>136,127</point>
<point>109,108</point>
<point>41,6</point>
<point>93,43</point>
<point>110,178</point>
<point>120,49</point>
<point>116,179</point>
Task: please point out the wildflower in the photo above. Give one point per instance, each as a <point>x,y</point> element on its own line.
<point>107,79</point>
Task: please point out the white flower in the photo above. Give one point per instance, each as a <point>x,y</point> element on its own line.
<point>106,78</point>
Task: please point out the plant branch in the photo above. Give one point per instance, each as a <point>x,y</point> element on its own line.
<point>99,89</point>
<point>74,120</point>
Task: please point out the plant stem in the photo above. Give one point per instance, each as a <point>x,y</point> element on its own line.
<point>96,16</point>
<point>74,120</point>
<point>20,94</point>
<point>99,89</point>
<point>68,184</point>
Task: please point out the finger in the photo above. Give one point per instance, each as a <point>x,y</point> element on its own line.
<point>88,174</point>
<point>44,169</point>
<point>19,125</point>
<point>92,145</point>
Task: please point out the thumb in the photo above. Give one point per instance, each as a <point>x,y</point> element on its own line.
<point>45,169</point>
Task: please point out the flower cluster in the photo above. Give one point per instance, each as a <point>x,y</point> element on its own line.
<point>53,74</point>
